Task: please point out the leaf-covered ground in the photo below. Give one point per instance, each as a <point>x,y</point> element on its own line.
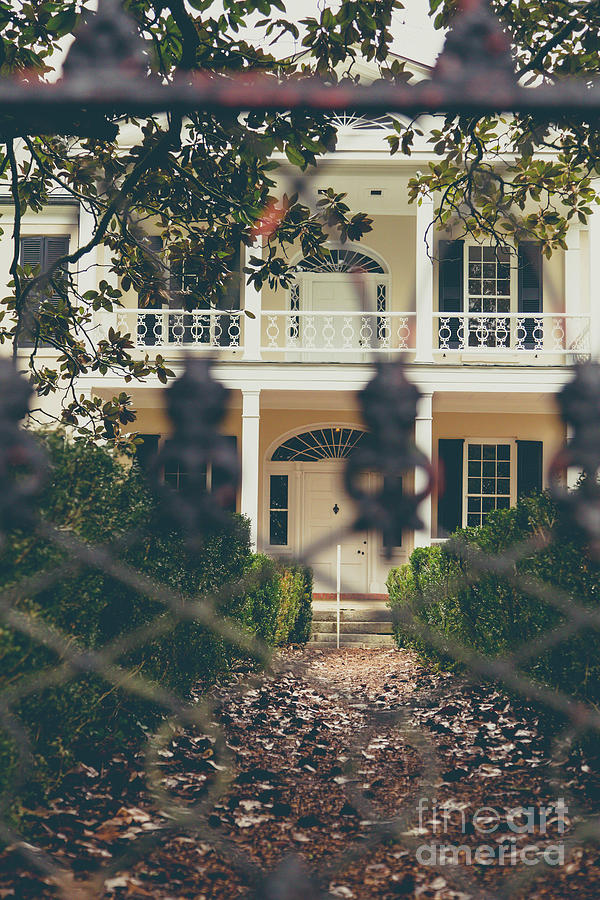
<point>333,756</point>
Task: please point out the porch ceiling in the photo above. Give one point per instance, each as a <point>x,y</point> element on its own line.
<point>523,403</point>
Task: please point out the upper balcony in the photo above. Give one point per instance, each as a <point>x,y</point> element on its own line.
<point>333,335</point>
<point>462,303</point>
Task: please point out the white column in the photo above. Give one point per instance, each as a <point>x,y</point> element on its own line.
<point>250,459</point>
<point>252,302</point>
<point>573,298</point>
<point>424,282</point>
<point>594,270</point>
<point>424,441</point>
<point>87,277</point>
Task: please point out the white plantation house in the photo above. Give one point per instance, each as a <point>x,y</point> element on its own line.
<point>487,337</point>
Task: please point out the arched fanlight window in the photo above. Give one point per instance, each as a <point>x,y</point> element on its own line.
<point>363,123</point>
<point>341,260</point>
<point>321,443</point>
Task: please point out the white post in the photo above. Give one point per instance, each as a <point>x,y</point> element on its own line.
<point>252,302</point>
<point>424,282</point>
<point>339,587</point>
<point>250,459</point>
<point>594,278</point>
<point>573,299</point>
<point>424,441</point>
<point>87,276</point>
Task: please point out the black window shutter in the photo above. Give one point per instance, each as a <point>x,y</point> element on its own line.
<point>43,251</point>
<point>220,478</point>
<point>233,284</point>
<point>530,286</point>
<point>32,251</point>
<point>391,484</point>
<point>155,243</point>
<point>451,288</point>
<point>55,248</point>
<point>149,328</point>
<point>450,489</point>
<point>147,450</point>
<point>451,255</point>
<point>529,467</point>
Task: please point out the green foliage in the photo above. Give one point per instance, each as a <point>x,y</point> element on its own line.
<point>91,495</point>
<point>490,178</point>
<point>294,618</point>
<point>203,181</point>
<point>490,614</point>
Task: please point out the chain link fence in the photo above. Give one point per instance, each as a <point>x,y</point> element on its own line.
<point>463,82</point>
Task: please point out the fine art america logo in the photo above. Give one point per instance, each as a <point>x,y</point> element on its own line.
<point>509,829</point>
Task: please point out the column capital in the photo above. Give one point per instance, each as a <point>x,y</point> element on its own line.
<point>425,406</point>
<point>250,403</point>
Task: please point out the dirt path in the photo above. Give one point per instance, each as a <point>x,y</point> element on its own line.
<point>339,766</point>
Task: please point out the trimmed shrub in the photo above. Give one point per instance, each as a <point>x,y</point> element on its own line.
<point>294,618</point>
<point>92,495</point>
<point>487,613</point>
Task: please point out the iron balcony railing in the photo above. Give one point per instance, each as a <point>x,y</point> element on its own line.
<point>547,334</point>
<point>307,334</point>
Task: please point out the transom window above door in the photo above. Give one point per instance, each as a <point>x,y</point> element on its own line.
<point>321,443</point>
<point>341,260</point>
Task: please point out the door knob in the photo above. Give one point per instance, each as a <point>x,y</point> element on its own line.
<point>336,509</point>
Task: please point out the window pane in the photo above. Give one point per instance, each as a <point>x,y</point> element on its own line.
<point>474,451</point>
<point>278,528</point>
<point>279,492</point>
<point>503,486</point>
<point>492,490</point>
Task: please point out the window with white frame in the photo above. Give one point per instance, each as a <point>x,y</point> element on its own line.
<point>489,290</point>
<point>278,510</point>
<point>490,478</point>
<point>490,296</point>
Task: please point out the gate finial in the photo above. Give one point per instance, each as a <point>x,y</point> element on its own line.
<point>107,46</point>
<point>477,52</point>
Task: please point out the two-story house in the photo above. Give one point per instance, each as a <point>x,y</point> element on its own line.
<point>487,337</point>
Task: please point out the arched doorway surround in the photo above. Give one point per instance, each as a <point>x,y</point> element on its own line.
<point>304,503</point>
<point>330,299</point>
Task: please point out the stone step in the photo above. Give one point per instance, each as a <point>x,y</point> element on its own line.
<point>355,627</point>
<point>327,645</point>
<point>356,640</point>
<point>372,614</point>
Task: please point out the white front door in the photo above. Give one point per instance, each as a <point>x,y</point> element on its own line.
<point>347,332</point>
<point>326,510</point>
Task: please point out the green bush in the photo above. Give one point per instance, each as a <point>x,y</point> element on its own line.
<point>294,618</point>
<point>92,495</point>
<point>487,613</point>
